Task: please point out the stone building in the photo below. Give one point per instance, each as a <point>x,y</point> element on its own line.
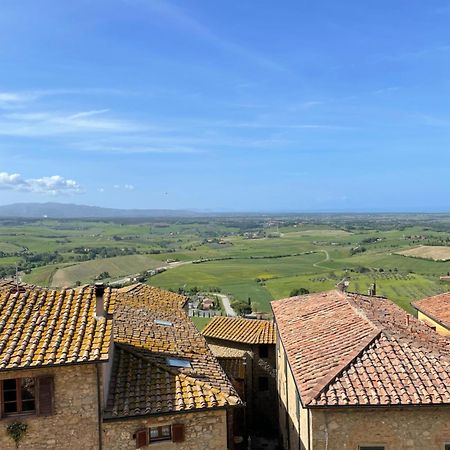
<point>435,311</point>
<point>96,368</point>
<point>358,373</point>
<point>245,348</point>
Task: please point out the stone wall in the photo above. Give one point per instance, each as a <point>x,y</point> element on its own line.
<point>414,428</point>
<point>75,422</point>
<point>293,418</point>
<point>259,404</point>
<point>263,401</point>
<point>204,430</point>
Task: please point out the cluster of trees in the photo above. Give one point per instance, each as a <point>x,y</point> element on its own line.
<point>358,249</point>
<point>86,254</point>
<point>7,271</point>
<point>103,275</point>
<point>241,307</point>
<point>30,261</point>
<point>299,291</point>
<point>195,290</point>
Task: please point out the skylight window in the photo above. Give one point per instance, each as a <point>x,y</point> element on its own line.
<point>164,323</point>
<point>175,362</point>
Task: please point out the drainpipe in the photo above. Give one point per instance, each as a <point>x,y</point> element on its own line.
<point>99,409</point>
<point>309,429</point>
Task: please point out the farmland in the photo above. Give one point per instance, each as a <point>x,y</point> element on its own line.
<point>436,253</point>
<point>251,259</point>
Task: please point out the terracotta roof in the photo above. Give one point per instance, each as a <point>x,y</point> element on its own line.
<point>352,350</point>
<point>140,386</point>
<point>41,327</point>
<point>152,296</point>
<point>150,326</point>
<point>436,308</point>
<point>247,331</point>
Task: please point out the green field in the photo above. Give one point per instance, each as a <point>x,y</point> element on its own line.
<point>261,258</point>
<point>200,322</point>
<point>119,266</point>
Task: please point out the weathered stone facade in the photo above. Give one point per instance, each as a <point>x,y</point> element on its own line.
<point>415,428</point>
<point>75,422</point>
<point>205,430</point>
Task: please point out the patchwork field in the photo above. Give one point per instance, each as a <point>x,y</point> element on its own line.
<point>436,253</point>
<point>256,258</point>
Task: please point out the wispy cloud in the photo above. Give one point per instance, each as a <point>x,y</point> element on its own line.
<point>50,123</point>
<point>418,54</point>
<point>386,90</point>
<point>19,99</point>
<point>302,106</point>
<point>52,185</point>
<point>183,21</point>
<point>434,121</point>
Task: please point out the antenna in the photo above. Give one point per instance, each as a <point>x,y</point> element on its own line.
<point>17,277</point>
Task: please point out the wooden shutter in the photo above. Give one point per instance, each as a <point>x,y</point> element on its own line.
<point>141,438</point>
<point>177,432</point>
<point>45,401</point>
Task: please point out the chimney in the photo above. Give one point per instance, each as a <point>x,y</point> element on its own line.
<point>372,291</point>
<point>99,303</point>
<point>343,285</point>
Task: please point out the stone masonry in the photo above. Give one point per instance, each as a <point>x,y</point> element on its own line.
<point>74,425</point>
<point>205,430</point>
<point>400,429</point>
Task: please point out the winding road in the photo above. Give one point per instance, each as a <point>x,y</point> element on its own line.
<point>229,311</point>
<point>327,258</point>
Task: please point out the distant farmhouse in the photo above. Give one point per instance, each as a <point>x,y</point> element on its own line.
<point>435,311</point>
<point>357,372</point>
<point>100,368</point>
<point>245,349</point>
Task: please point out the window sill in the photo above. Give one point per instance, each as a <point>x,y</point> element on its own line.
<point>19,415</point>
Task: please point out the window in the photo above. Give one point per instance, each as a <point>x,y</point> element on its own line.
<point>263,383</point>
<point>164,323</point>
<point>27,396</point>
<point>297,405</point>
<point>163,433</point>
<point>145,436</point>
<point>175,362</point>
<point>447,446</point>
<point>18,396</point>
<point>263,351</point>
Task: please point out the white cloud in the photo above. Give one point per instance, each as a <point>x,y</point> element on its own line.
<point>128,187</point>
<point>53,185</point>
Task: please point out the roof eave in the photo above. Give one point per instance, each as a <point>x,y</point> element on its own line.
<point>110,418</point>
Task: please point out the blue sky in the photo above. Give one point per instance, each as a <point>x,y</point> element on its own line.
<point>226,105</point>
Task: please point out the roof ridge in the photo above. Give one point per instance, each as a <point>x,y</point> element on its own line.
<point>430,296</point>
<point>326,380</point>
